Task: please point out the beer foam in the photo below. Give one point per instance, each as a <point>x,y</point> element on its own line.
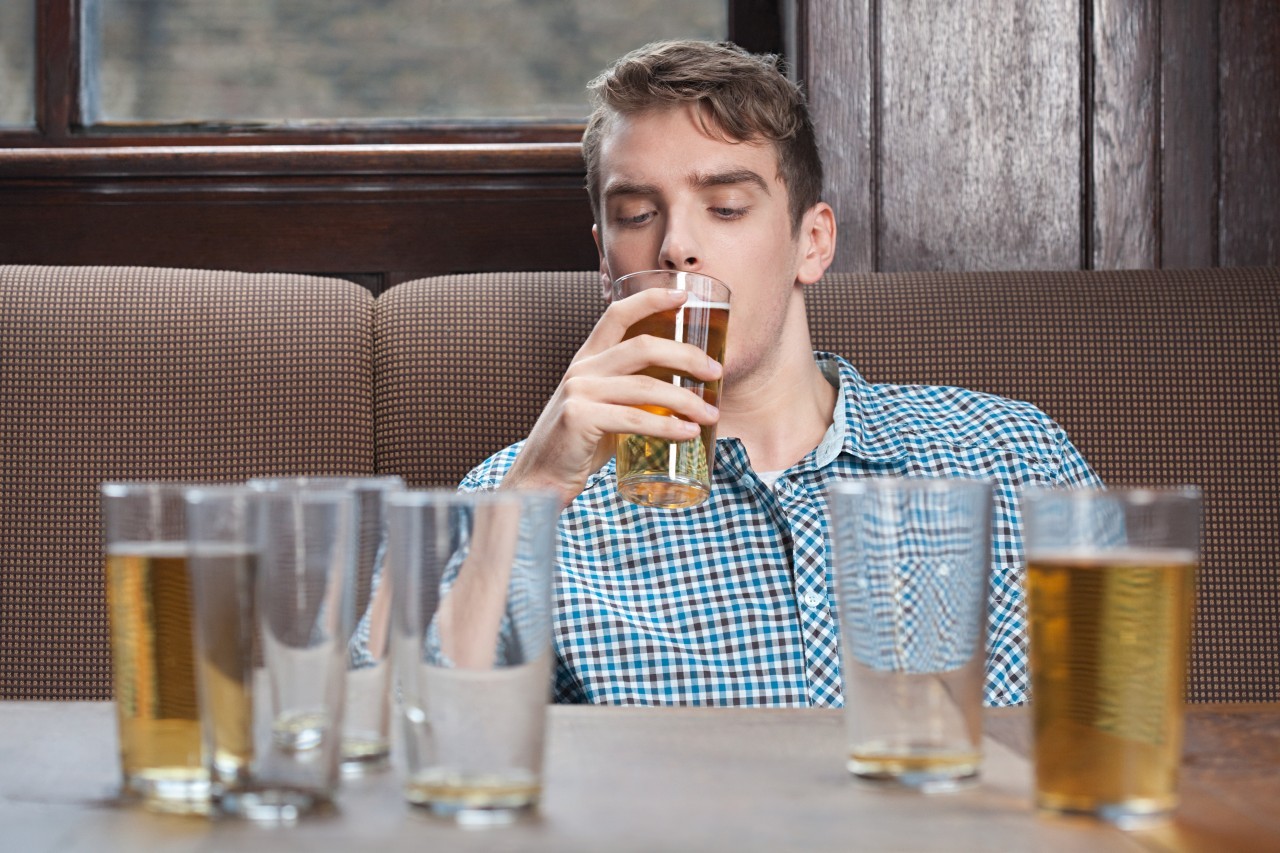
<point>1128,555</point>
<point>148,548</point>
<point>695,302</point>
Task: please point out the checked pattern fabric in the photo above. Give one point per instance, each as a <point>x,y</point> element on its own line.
<point>732,602</point>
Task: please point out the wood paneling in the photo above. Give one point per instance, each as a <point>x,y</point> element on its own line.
<point>1071,133</point>
<point>840,54</point>
<point>377,214</point>
<point>1250,118</point>
<point>978,157</point>
<point>1189,139</point>
<point>1123,121</point>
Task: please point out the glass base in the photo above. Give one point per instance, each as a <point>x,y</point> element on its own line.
<point>473,800</point>
<point>918,768</point>
<point>1136,813</point>
<point>361,758</point>
<point>662,491</point>
<point>170,790</point>
<point>268,806</point>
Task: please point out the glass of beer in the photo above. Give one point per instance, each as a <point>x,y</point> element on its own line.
<point>911,565</point>
<point>1111,580</point>
<point>654,471</point>
<point>471,638</point>
<point>149,607</point>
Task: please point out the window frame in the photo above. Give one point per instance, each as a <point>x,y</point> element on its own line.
<point>755,24</point>
<point>375,202</point>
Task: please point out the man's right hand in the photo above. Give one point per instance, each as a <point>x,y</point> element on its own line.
<point>600,393</point>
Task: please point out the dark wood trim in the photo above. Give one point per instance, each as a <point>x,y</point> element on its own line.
<point>47,164</point>
<point>756,25</point>
<point>375,214</point>
<point>368,133</point>
<point>57,70</point>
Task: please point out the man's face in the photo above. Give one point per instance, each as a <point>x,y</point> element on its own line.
<point>673,197</point>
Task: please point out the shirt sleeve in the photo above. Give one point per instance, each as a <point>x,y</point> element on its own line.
<point>488,475</point>
<point>1073,470</point>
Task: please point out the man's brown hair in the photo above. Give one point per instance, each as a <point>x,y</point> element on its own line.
<point>740,96</point>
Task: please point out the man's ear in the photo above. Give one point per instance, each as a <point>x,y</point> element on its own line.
<point>817,243</point>
<point>606,280</point>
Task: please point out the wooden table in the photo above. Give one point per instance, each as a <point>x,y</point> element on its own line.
<point>657,779</point>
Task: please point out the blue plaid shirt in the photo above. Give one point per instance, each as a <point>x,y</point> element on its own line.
<point>731,602</point>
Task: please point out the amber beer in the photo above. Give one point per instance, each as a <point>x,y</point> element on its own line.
<point>225,578</point>
<point>667,474</point>
<point>150,613</point>
<point>1109,635</point>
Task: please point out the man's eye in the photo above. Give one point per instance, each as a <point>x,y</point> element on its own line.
<point>635,218</point>
<point>729,212</point>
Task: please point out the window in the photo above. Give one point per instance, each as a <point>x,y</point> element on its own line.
<point>138,72</point>
<point>17,63</point>
<point>234,61</point>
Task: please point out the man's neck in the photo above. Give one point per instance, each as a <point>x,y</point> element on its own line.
<point>781,412</point>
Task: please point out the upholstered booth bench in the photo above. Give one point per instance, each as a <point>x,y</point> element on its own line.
<point>1160,377</point>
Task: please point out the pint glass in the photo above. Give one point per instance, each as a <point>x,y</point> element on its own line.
<point>655,471</point>
<point>472,647</point>
<point>912,560</point>
<point>150,610</point>
<point>1110,588</point>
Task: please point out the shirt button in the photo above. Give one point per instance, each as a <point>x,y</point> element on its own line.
<point>813,599</point>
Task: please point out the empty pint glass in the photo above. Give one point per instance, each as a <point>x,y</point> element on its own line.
<point>150,610</point>
<point>1110,591</point>
<point>656,471</point>
<point>472,646</point>
<point>912,559</point>
<point>366,726</point>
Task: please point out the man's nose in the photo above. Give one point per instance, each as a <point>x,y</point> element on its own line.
<point>680,249</point>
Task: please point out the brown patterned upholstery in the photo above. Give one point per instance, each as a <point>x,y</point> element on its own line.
<point>465,364</point>
<point>118,373</point>
<point>1160,377</point>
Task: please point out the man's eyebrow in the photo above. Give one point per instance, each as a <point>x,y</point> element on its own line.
<point>706,180</point>
<point>628,188</point>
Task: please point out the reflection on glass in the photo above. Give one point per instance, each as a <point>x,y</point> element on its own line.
<point>17,63</point>
<point>295,60</point>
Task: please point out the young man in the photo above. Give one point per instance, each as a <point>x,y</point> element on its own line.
<point>702,157</point>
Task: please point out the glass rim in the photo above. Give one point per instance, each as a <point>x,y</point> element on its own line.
<point>217,490</point>
<point>435,497</point>
<point>1134,494</point>
<point>380,482</point>
<point>125,488</point>
<point>680,277</point>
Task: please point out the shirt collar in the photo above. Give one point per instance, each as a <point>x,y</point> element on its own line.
<point>851,431</point>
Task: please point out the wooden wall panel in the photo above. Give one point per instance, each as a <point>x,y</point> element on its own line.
<point>1250,119</point>
<point>1189,135</point>
<point>1125,115</point>
<point>979,140</point>
<point>375,214</point>
<point>840,57</point>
